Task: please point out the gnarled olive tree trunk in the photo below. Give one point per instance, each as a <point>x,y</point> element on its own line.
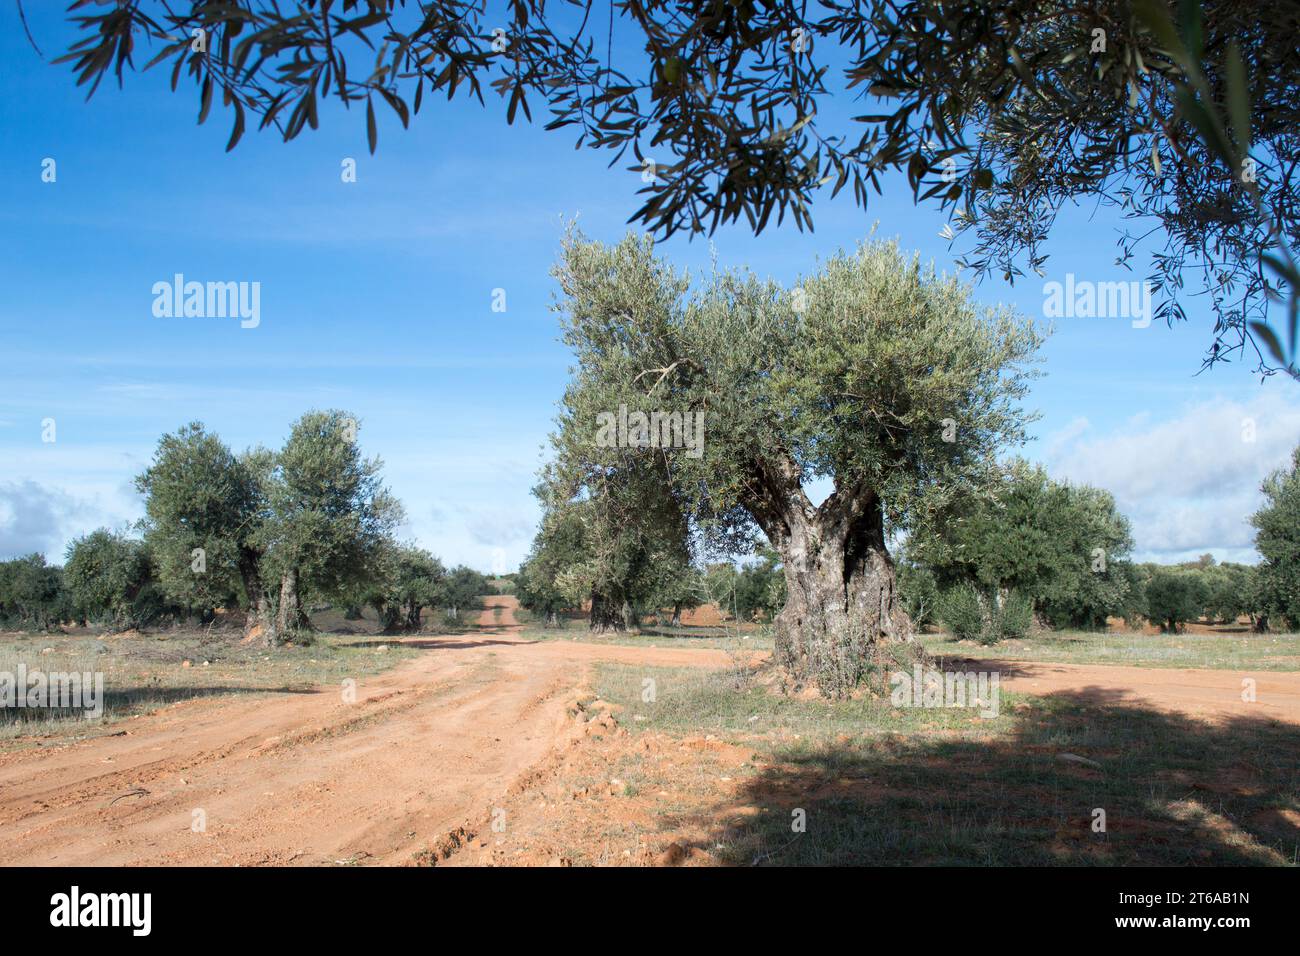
<point>290,617</point>
<point>842,603</point>
<point>259,622</point>
<point>610,614</point>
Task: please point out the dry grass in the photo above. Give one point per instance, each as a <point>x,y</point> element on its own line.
<point>145,672</point>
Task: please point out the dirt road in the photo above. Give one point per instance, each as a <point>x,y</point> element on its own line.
<point>1197,693</point>
<point>309,778</point>
<point>312,778</point>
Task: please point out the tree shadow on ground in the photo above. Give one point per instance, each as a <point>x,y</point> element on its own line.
<point>1175,791</point>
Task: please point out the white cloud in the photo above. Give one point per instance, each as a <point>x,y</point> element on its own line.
<point>1188,483</point>
<point>36,518</point>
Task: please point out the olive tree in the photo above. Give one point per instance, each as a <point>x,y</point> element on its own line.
<point>109,578</point>
<point>33,594</point>
<point>329,517</point>
<point>418,583</point>
<point>1057,543</point>
<point>460,589</point>
<point>874,373</point>
<point>557,547</point>
<point>204,509</point>
<point>633,551</point>
<point>1175,597</point>
<point>1277,538</point>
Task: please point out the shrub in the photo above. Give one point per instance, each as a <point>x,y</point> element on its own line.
<point>973,615</point>
<point>962,612</point>
<point>919,592</point>
<point>1016,616</point>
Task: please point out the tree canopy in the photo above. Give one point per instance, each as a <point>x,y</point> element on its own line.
<point>110,578</point>
<point>1061,545</point>
<point>1277,538</point>
<point>203,509</point>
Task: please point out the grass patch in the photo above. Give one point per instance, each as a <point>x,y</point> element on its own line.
<point>1233,650</point>
<point>719,638</point>
<point>1228,650</point>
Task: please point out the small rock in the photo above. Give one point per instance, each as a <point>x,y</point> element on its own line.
<point>382,647</point>
<point>186,664</point>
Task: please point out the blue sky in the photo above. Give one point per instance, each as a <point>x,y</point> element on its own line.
<point>376,297</point>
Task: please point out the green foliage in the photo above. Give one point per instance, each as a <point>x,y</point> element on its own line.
<point>416,580</point>
<point>920,593</point>
<point>543,586</point>
<point>1277,538</point>
<point>1231,592</point>
<point>1060,544</point>
<point>110,580</point>
<point>460,590</point>
<point>615,536</point>
<point>1016,616</point>
<point>1133,607</point>
<point>312,521</point>
<point>961,609</point>
<point>329,513</point>
<point>985,617</point>
<point>755,589</point>
<point>1176,596</point>
<point>33,595</point>
<point>857,381</point>
<point>760,587</point>
<point>204,507</point>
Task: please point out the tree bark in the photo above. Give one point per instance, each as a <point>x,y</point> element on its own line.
<point>677,615</point>
<point>842,602</point>
<point>606,614</point>
<point>413,616</point>
<point>258,613</point>
<point>290,617</point>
